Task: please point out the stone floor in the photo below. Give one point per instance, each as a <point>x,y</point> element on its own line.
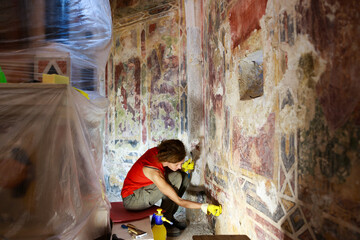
<point>198,227</point>
<point>193,229</point>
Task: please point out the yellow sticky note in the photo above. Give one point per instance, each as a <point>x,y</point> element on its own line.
<point>55,79</point>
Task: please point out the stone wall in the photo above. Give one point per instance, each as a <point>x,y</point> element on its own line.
<point>281,124</point>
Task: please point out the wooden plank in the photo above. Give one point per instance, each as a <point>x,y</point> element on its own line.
<point>221,237</point>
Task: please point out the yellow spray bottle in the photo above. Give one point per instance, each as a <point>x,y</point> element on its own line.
<point>159,230</point>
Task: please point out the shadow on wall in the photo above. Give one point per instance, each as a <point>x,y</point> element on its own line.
<point>194,111</point>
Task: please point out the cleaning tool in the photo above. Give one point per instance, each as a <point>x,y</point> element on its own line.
<point>188,166</point>
<point>211,209</point>
<point>134,231</point>
<point>159,230</point>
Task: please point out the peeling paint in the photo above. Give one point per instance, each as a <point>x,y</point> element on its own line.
<point>144,99</point>
<point>286,161</point>
<point>268,194</point>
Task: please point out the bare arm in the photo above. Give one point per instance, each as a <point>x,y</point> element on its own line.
<point>159,180</point>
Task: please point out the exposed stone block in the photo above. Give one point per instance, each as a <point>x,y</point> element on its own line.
<point>251,81</point>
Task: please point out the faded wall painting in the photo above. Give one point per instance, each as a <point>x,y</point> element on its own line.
<point>280,128</point>
<point>146,98</point>
<point>291,172</point>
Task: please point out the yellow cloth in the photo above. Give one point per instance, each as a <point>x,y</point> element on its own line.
<point>214,210</point>
<point>211,209</point>
<point>188,166</point>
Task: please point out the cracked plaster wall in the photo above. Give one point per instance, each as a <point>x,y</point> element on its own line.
<point>284,165</point>
<point>145,84</point>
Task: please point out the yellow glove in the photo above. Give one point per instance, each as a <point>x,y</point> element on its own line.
<point>211,209</point>
<point>188,166</point>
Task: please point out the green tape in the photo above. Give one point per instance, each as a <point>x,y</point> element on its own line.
<point>2,77</point>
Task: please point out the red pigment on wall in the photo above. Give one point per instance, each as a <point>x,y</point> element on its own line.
<point>261,234</point>
<point>143,48</point>
<point>143,124</point>
<point>263,143</point>
<point>244,18</point>
<point>152,28</point>
<point>337,41</point>
<point>119,71</point>
<point>265,224</point>
<point>135,64</point>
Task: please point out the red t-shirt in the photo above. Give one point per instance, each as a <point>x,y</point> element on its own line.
<point>135,178</point>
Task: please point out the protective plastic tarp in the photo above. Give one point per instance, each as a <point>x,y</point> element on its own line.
<point>51,179</point>
<point>68,38</point>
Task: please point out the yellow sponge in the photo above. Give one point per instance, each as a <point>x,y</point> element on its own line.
<point>54,78</point>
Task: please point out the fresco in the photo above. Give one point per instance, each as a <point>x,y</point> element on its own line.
<point>127,84</point>
<point>255,153</point>
<point>284,164</point>
<point>146,101</point>
<point>124,9</point>
<point>326,159</point>
<point>295,148</point>
<point>339,85</point>
<point>244,17</point>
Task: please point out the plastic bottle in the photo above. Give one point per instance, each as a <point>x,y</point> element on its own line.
<point>2,77</point>
<point>159,230</point>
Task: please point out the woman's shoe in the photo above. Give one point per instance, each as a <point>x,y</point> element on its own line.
<point>179,225</point>
<point>171,230</point>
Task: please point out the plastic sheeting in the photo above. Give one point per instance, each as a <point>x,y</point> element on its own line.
<point>51,180</point>
<point>69,38</point>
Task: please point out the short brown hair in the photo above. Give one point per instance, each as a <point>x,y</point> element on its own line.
<point>171,151</point>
